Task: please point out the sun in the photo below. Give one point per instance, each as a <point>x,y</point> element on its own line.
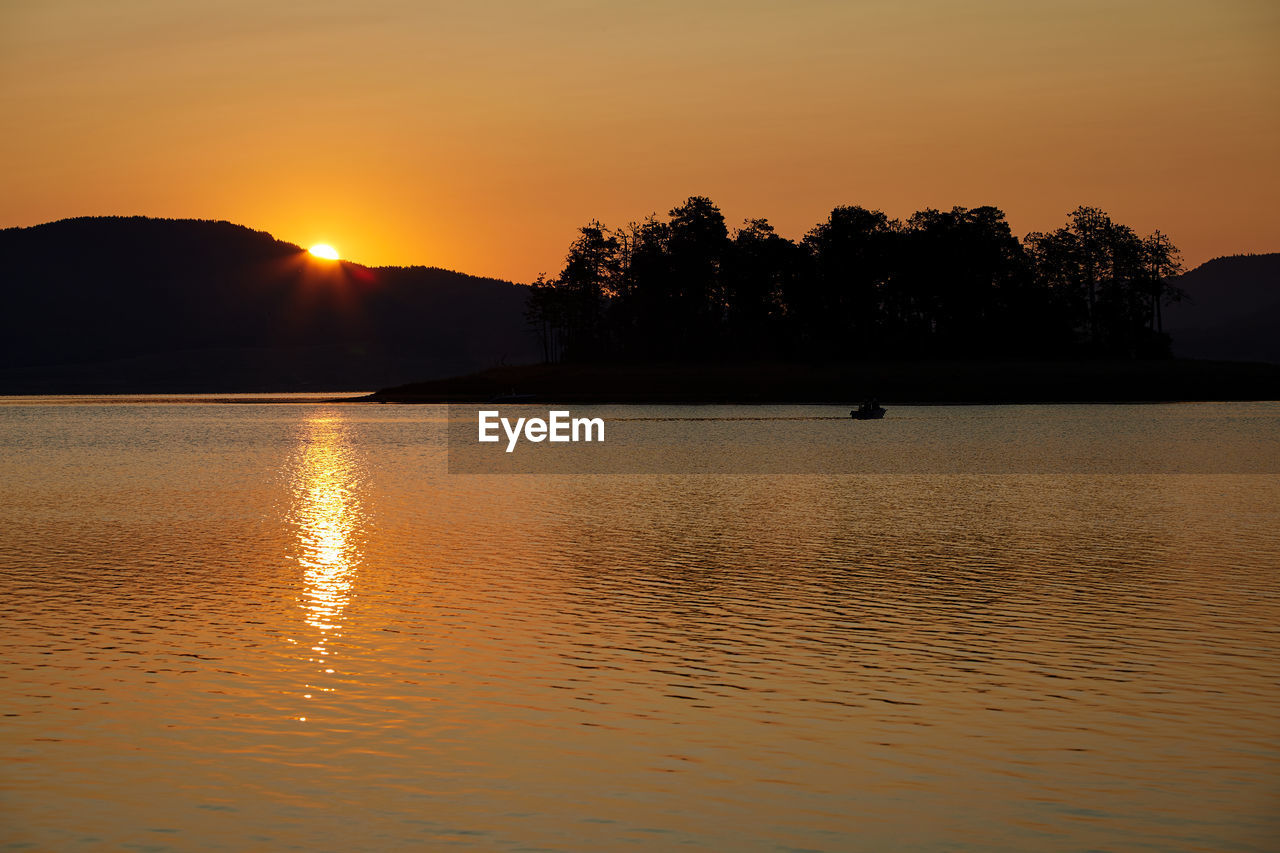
<point>324,250</point>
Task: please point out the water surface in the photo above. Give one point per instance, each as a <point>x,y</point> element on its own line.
<point>286,626</point>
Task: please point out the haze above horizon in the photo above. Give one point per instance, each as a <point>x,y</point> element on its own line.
<point>478,138</point>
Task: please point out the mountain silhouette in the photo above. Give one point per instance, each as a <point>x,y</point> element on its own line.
<point>136,304</point>
<point>1231,310</point>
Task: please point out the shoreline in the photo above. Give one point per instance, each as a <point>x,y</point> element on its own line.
<point>936,383</point>
<point>772,383</point>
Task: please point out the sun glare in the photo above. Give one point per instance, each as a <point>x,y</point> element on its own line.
<point>324,250</point>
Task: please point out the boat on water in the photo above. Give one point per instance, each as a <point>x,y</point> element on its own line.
<point>868,411</point>
<point>513,397</point>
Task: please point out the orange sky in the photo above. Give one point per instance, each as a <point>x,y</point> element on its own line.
<point>478,136</point>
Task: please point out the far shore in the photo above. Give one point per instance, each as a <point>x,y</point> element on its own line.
<point>891,383</point>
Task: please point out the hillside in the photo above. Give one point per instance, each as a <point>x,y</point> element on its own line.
<point>1231,310</point>
<point>133,304</point>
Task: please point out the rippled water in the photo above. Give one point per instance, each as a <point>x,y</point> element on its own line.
<point>286,627</point>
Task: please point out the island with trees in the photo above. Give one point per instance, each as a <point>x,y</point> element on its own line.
<point>951,284</point>
<point>945,306</point>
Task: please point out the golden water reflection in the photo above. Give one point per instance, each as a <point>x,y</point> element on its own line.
<point>327,515</point>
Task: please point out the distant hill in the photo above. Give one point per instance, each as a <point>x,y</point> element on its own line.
<point>134,304</point>
<point>1232,310</point>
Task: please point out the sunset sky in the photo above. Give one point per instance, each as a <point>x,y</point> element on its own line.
<point>479,136</point>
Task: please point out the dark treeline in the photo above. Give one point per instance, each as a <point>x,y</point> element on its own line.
<point>949,284</point>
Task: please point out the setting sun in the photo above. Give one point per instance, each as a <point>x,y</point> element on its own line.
<point>324,250</point>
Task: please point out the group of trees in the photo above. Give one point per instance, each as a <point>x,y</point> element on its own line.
<point>952,283</point>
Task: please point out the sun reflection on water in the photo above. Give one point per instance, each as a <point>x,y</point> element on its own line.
<point>327,515</point>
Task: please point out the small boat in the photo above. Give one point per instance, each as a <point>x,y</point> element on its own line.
<point>868,411</point>
<point>512,397</point>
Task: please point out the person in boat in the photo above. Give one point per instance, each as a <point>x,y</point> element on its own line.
<point>868,408</point>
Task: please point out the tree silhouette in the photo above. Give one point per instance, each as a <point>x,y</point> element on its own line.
<point>761,269</point>
<point>696,248</point>
<point>953,283</point>
<point>853,256</point>
<point>1110,282</point>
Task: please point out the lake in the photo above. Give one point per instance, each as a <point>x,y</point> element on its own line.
<point>286,625</point>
